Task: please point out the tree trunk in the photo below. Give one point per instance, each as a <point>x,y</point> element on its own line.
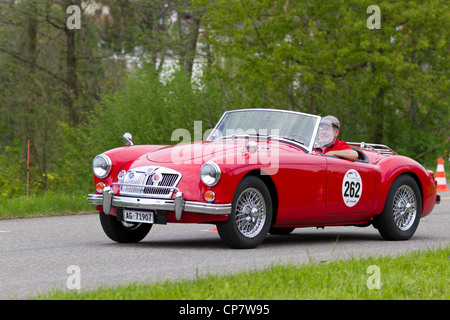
<point>194,28</point>
<point>71,76</point>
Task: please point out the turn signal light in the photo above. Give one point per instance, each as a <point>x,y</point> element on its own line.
<point>210,196</point>
<point>99,187</point>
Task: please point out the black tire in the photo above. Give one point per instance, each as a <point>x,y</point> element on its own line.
<point>123,232</point>
<point>250,217</point>
<point>402,210</point>
<point>281,231</point>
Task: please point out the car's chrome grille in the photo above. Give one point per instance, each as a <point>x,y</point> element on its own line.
<point>137,179</point>
<point>168,180</point>
<point>141,182</point>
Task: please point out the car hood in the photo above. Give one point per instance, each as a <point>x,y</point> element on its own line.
<point>196,151</point>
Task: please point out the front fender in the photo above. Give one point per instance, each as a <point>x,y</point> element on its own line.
<point>122,156</point>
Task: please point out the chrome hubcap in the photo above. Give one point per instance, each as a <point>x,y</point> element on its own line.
<point>404,208</point>
<point>250,212</point>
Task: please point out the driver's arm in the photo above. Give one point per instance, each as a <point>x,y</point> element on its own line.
<point>348,154</point>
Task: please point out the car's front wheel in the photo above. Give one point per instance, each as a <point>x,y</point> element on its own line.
<point>402,210</point>
<point>251,215</point>
<point>123,232</point>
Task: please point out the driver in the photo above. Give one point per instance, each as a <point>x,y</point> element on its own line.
<point>328,143</point>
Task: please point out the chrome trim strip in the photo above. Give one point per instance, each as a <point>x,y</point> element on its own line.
<point>207,208</point>
<point>142,186</point>
<point>178,205</point>
<point>95,199</point>
<point>380,148</point>
<point>107,199</point>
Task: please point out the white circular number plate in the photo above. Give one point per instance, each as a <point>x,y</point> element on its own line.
<point>351,188</point>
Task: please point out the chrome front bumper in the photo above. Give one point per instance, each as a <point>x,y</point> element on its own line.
<point>108,200</point>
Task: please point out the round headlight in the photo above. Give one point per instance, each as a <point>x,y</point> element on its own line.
<point>101,165</point>
<point>210,173</point>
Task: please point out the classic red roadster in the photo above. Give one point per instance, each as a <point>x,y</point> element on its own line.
<point>256,173</point>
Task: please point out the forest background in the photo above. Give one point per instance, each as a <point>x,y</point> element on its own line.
<point>150,67</point>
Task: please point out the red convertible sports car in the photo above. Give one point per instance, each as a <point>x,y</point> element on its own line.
<point>256,173</point>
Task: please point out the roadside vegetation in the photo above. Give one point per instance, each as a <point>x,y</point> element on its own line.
<point>44,205</point>
<point>150,67</point>
<point>417,275</point>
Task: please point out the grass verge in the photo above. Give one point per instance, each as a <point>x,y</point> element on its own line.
<point>44,205</point>
<point>414,275</point>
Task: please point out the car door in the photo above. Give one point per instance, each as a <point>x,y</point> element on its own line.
<point>301,188</point>
<point>350,187</point>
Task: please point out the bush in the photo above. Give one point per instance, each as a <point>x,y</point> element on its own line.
<point>13,174</point>
<point>147,107</point>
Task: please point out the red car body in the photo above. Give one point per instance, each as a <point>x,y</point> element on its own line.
<point>306,188</point>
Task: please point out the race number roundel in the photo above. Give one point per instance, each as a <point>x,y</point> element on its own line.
<point>351,188</point>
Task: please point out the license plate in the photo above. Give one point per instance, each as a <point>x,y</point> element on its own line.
<point>138,216</point>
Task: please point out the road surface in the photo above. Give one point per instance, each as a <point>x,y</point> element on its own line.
<point>41,254</point>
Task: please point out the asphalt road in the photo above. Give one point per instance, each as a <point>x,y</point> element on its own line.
<point>37,254</point>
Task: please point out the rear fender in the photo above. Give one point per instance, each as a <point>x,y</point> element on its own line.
<point>392,167</point>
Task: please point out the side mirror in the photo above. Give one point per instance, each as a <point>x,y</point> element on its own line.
<point>128,139</point>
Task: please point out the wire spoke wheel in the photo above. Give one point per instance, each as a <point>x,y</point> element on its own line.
<point>402,210</point>
<point>404,207</point>
<point>250,212</point>
<point>248,223</point>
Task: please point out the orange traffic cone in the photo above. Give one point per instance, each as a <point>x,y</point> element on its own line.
<point>440,177</point>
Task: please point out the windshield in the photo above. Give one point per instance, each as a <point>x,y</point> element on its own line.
<point>283,124</point>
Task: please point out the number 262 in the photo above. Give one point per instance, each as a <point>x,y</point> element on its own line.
<point>352,189</point>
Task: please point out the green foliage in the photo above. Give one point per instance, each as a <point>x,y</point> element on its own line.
<point>13,173</point>
<point>44,205</point>
<point>386,85</point>
<point>147,107</point>
<point>68,92</point>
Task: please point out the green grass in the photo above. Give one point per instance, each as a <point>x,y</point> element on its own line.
<point>414,275</point>
<point>43,205</point>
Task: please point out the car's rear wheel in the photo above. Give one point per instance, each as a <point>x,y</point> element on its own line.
<point>402,210</point>
<point>251,215</point>
<point>123,232</point>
